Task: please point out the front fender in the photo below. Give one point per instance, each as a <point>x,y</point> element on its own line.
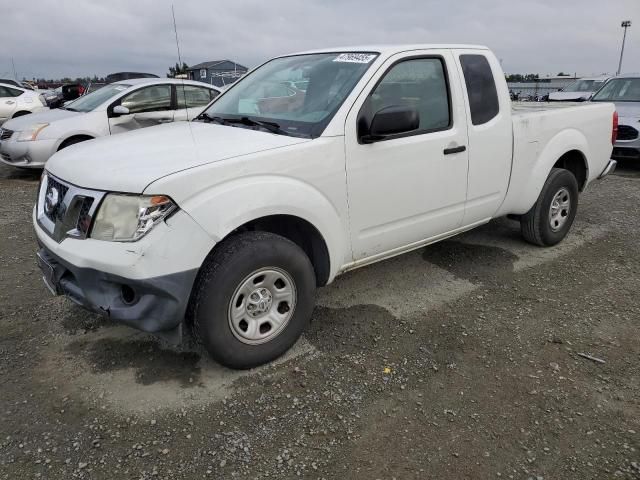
<point>532,167</point>
<point>232,204</point>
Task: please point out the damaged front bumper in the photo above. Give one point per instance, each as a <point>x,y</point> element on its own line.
<point>154,305</point>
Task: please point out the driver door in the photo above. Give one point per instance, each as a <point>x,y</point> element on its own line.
<point>147,106</point>
<point>411,187</point>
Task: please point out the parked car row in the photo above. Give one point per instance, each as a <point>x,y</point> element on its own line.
<point>18,101</point>
<point>29,141</point>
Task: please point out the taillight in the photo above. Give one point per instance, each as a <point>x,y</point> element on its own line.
<point>614,128</point>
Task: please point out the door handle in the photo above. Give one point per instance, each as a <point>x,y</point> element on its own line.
<point>452,150</point>
<point>10,102</point>
<point>165,120</point>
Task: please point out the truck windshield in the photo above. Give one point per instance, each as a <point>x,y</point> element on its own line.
<point>89,102</point>
<point>296,95</point>
<point>619,90</point>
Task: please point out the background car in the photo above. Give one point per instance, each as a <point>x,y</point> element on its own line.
<point>580,90</point>
<point>18,101</point>
<point>16,83</point>
<point>114,108</point>
<point>624,91</point>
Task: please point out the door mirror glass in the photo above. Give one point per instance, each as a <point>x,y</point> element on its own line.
<point>392,120</point>
<point>120,110</point>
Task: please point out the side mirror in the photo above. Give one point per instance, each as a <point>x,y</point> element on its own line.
<point>120,110</point>
<point>392,121</point>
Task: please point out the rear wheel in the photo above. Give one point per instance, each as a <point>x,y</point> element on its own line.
<point>550,219</point>
<point>253,299</point>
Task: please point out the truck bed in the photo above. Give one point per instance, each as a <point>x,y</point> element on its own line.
<point>524,107</point>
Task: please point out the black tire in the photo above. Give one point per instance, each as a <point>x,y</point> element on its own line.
<point>536,225</point>
<point>224,271</point>
<point>72,141</point>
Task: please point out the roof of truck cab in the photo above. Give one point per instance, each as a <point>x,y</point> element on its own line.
<point>390,48</point>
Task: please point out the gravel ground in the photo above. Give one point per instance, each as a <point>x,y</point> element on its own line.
<point>461,360</point>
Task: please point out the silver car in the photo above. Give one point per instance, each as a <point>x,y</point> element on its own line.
<point>624,91</point>
<point>29,141</point>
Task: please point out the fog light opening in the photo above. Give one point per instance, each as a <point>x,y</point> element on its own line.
<point>128,295</point>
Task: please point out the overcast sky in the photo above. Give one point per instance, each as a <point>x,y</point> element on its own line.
<point>55,38</point>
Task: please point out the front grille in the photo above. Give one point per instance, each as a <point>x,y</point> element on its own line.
<point>5,133</point>
<point>57,192</point>
<point>84,217</point>
<point>627,132</point>
<point>65,210</point>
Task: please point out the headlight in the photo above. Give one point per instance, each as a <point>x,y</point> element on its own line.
<point>127,218</point>
<point>32,132</point>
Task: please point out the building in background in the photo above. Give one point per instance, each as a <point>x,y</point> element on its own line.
<point>218,72</point>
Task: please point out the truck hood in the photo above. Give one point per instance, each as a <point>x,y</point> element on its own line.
<point>46,116</point>
<point>128,162</point>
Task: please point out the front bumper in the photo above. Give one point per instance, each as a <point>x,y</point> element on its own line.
<point>152,305</point>
<point>145,284</point>
<point>32,154</point>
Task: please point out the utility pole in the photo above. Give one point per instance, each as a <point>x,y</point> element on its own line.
<point>15,77</point>
<point>625,24</point>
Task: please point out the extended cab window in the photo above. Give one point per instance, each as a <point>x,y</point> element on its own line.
<point>149,99</point>
<point>420,83</point>
<point>189,96</point>
<point>481,88</point>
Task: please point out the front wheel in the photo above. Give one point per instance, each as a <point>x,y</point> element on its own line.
<point>550,219</point>
<point>253,299</point>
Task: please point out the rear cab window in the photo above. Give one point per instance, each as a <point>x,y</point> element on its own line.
<point>481,88</point>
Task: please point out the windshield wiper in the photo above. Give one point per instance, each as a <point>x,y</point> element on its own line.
<point>208,118</point>
<point>250,122</point>
<point>273,127</point>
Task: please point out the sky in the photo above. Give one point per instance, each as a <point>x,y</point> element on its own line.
<point>58,38</point>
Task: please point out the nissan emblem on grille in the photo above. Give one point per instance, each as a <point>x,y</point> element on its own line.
<point>51,201</point>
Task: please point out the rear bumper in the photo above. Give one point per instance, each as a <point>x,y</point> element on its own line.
<point>611,166</point>
<point>152,305</point>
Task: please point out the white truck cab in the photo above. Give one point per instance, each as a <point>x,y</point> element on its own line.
<point>228,223</point>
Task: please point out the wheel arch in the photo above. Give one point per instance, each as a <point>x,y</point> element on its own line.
<point>568,149</point>
<point>299,231</point>
<point>21,113</point>
<point>576,163</point>
<point>78,136</point>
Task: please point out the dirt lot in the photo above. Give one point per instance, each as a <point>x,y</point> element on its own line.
<point>457,361</point>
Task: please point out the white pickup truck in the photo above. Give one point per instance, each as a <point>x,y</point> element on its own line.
<point>310,166</point>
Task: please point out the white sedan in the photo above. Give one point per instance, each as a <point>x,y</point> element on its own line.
<point>28,142</point>
<point>18,101</point>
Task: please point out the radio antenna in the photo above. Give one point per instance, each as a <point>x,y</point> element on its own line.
<point>175,30</point>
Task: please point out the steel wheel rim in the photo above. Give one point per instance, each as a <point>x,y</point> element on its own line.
<point>262,306</point>
<point>559,209</point>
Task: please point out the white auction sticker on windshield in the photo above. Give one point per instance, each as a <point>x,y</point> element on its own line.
<point>354,57</point>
